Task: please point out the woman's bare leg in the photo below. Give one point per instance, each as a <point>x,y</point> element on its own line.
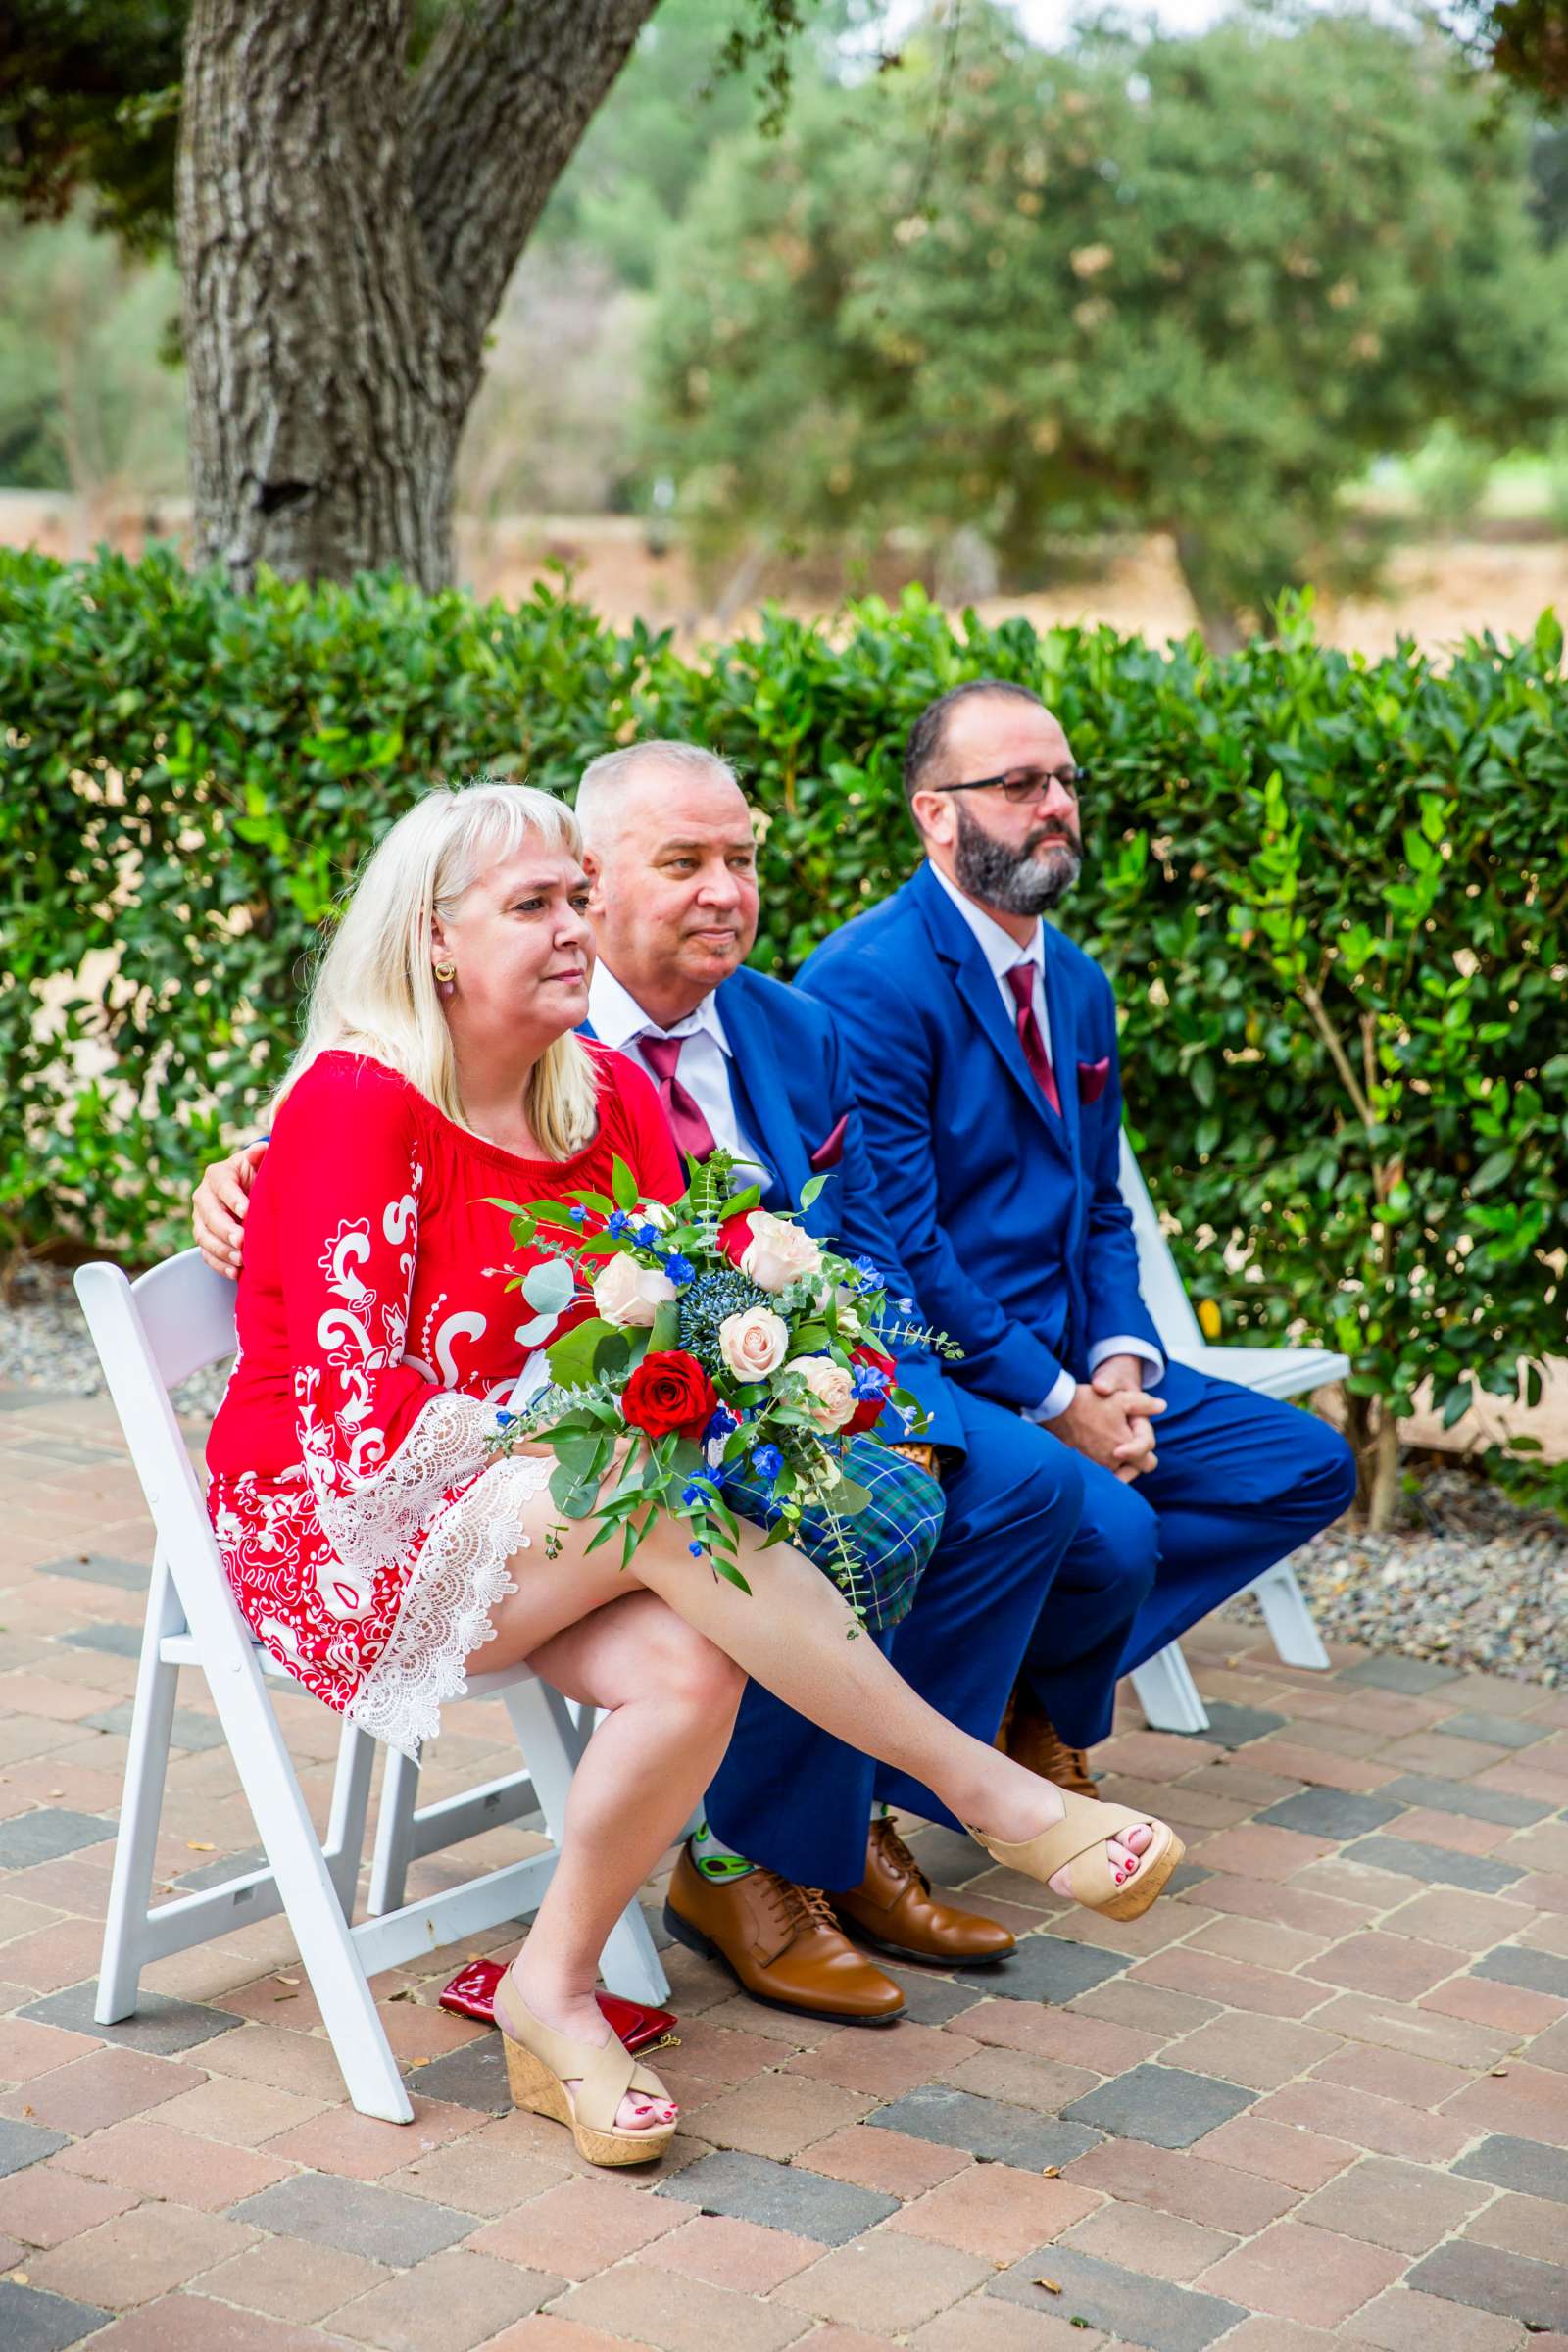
<point>790,1633</point>
<point>671,1698</point>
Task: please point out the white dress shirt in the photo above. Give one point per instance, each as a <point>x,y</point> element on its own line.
<point>618,1020</point>
<point>1001,952</point>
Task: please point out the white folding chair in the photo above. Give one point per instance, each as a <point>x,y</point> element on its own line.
<point>151,1335</point>
<point>1165,1688</point>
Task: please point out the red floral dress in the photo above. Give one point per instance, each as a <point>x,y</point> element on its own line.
<point>364,1527</point>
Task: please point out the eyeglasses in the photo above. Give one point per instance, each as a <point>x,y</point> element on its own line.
<point>1021,784</point>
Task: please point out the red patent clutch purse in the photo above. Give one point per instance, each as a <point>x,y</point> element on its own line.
<point>473,1993</point>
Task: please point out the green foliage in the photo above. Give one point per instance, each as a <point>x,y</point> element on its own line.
<point>87,401</point>
<point>1333,894</point>
<point>1190,284</point>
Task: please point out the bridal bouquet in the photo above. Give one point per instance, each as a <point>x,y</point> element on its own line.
<point>724,1337</point>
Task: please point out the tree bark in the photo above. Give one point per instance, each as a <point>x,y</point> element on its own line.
<point>346,235</point>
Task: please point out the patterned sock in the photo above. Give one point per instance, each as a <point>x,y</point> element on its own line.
<point>714,1859</point>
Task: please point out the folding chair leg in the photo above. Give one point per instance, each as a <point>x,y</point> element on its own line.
<point>394,1833</point>
<point>310,1898</point>
<point>141,1808</point>
<point>1167,1693</point>
<point>553,1740</point>
<point>350,1797</point>
<point>1289,1617</point>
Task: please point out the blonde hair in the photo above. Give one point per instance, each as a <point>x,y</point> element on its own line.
<point>375,991</point>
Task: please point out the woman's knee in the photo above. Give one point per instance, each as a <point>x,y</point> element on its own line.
<point>686,1665</point>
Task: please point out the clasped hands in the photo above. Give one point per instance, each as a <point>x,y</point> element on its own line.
<point>1112,1419</point>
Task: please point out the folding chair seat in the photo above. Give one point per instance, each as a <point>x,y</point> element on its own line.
<point>1165,1688</point>
<point>151,1335</point>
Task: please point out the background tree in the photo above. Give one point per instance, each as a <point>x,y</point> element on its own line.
<point>1192,285</point>
<point>87,403</point>
<point>354,183</point>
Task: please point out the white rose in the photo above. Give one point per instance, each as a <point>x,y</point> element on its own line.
<point>831,1386</point>
<point>627,1294</point>
<point>659,1214</point>
<point>753,1345</point>
<point>778,1253</point>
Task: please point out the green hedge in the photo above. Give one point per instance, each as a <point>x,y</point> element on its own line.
<point>1333,894</point>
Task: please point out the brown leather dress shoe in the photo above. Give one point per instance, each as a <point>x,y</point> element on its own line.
<point>781,1943</point>
<point>893,1908</point>
<point>1029,1736</point>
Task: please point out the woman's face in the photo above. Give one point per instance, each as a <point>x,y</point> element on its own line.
<point>523,949</point>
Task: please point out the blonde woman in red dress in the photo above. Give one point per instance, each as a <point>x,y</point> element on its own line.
<point>375,1541</point>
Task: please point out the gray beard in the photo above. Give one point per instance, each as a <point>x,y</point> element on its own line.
<point>1019,882</point>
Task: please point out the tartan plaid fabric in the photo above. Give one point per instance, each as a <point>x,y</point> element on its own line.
<point>892,1538</point>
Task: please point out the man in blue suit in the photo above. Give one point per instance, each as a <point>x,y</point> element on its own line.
<point>984,1044</point>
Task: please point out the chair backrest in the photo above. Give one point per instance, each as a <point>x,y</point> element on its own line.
<point>1164,1294</point>
<point>187,1313</point>
<point>150,1335</point>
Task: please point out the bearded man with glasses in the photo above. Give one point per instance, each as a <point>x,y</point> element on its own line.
<point>984,1047</point>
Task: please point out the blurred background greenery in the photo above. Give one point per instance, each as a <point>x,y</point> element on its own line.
<point>1153,317</point>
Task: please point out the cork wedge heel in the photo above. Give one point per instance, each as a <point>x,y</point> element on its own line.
<point>540,2061</point>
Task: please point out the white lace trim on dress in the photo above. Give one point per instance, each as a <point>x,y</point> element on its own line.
<point>371,1521</point>
<point>453,1589</point>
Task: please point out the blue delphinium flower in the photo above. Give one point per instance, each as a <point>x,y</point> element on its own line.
<point>618,1224</point>
<point>647,1237</point>
<point>870,1274</point>
<point>905,1306</point>
<point>866,1380</point>
<point>767,1463</point>
<point>697,1494</point>
<point>578,1214</point>
<point>696,1550</point>
<point>504,1420</point>
<point>678,1268</point>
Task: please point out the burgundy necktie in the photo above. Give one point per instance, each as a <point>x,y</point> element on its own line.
<point>694,1137</point>
<point>1021,981</point>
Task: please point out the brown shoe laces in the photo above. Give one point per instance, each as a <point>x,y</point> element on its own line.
<point>796,1907</point>
<point>894,1851</point>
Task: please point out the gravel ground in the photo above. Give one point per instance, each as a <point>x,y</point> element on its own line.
<point>1468,1578</point>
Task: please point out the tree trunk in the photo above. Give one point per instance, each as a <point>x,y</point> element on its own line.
<point>346,235</point>
<point>1385,1486</point>
<point>1216,616</point>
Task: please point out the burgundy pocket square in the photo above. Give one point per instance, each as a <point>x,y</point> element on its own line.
<point>830,1150</point>
<point>1093,1079</point>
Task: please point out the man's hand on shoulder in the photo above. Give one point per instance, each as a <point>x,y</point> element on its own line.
<point>1112,1419</point>
<point>220,1208</point>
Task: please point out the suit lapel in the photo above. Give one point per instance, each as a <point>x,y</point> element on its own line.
<point>955,944</point>
<point>756,1085</point>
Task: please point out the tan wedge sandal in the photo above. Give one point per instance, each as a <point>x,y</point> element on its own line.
<point>1078,1841</point>
<point>540,2061</point>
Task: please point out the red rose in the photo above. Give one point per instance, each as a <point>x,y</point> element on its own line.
<point>735,1237</point>
<point>670,1390</point>
<point>868,1412</point>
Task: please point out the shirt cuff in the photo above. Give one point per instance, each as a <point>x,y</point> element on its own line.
<point>1063,1389</point>
<point>1123,1345</point>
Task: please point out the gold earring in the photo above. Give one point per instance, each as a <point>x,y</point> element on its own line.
<point>446,973</point>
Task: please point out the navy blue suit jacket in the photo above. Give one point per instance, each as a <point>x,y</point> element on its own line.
<point>1007,1214</point>
<point>792,1083</point>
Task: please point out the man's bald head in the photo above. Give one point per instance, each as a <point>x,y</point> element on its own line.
<point>667,843</point>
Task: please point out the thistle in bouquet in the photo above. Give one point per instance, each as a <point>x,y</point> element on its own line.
<point>722,1339</point>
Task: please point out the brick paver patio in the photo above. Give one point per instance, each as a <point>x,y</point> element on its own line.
<point>1320,2097</point>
